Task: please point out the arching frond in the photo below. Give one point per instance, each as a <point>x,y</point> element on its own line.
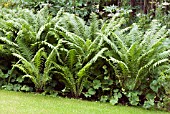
<point>164,54</point>
<point>71,58</point>
<point>99,54</point>
<point>20,67</point>
<point>162,61</point>
<point>71,36</point>
<point>94,26</point>
<point>8,41</point>
<point>37,58</point>
<point>112,44</point>
<point>24,49</point>
<point>123,66</point>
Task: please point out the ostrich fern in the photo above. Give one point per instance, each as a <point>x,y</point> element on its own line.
<point>76,59</point>
<point>38,68</point>
<point>134,55</point>
<point>22,31</point>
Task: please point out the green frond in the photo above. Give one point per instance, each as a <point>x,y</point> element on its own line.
<point>71,58</point>
<point>157,43</point>
<point>124,30</point>
<point>33,80</point>
<point>160,62</point>
<point>143,72</point>
<point>112,45</point>
<point>67,78</point>
<point>24,49</point>
<point>80,85</point>
<point>120,41</point>
<point>79,27</point>
<point>57,17</point>
<point>54,53</point>
<point>99,54</point>
<point>161,33</point>
<point>20,67</point>
<point>28,15</point>
<point>75,46</point>
<point>71,36</point>
<point>41,30</point>
<point>52,33</point>
<point>42,16</point>
<point>96,42</point>
<point>94,26</point>
<point>145,55</point>
<point>73,24</point>
<point>122,65</point>
<point>164,54</point>
<point>58,67</point>
<point>29,67</point>
<point>37,58</point>
<point>8,42</point>
<point>70,84</point>
<point>13,24</point>
<point>19,56</point>
<point>113,24</point>
<point>46,43</point>
<point>131,53</point>
<point>82,72</point>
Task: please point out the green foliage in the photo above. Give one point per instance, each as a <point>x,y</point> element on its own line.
<point>32,69</point>
<point>3,77</point>
<point>116,96</point>
<point>104,60</point>
<point>74,66</point>
<point>133,98</point>
<point>133,56</point>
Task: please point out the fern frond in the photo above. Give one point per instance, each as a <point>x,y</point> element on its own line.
<point>71,58</point>
<point>158,43</point>
<point>40,31</point>
<point>94,26</point>
<point>19,56</point>
<point>20,67</point>
<point>142,71</point>
<point>156,64</point>
<point>8,42</point>
<point>24,49</point>
<point>54,53</point>
<point>131,53</point>
<point>33,79</point>
<point>99,54</point>
<point>73,24</point>
<point>164,54</point>
<point>71,36</point>
<point>95,43</point>
<point>42,17</point>
<point>112,45</point>
<point>57,17</point>
<point>120,42</point>
<point>123,66</point>
<point>46,43</point>
<point>82,72</point>
<point>37,58</point>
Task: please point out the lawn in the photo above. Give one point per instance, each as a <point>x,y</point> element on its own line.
<point>27,103</point>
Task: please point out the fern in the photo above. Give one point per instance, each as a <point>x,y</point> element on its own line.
<point>24,49</point>
<point>71,58</point>
<point>32,69</point>
<point>94,26</point>
<point>8,41</point>
<point>135,57</point>
<point>37,58</point>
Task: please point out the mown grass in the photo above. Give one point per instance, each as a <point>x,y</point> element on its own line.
<point>27,103</point>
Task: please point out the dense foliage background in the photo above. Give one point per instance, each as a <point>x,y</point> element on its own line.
<point>109,51</point>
